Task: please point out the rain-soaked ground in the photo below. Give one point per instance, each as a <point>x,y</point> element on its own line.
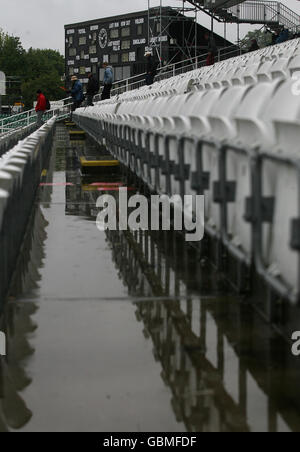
<point>131,331</point>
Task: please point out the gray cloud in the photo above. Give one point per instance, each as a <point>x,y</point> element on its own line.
<point>41,23</point>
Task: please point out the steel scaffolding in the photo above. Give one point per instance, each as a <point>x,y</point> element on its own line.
<point>158,14</point>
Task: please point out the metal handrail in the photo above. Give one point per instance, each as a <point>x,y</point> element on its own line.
<point>30,116</point>
<point>172,70</point>
<point>27,116</point>
<point>265,12</point>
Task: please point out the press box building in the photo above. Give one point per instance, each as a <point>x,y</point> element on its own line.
<point>122,41</point>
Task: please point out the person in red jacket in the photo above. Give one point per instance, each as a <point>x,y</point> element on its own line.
<point>40,107</point>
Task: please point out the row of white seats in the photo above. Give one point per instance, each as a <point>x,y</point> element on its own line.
<point>257,117</point>
<point>266,64</point>
<point>20,173</point>
<point>13,162</point>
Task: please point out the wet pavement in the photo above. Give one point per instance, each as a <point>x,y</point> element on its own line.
<point>131,331</point>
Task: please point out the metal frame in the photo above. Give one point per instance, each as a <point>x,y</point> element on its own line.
<point>180,17</point>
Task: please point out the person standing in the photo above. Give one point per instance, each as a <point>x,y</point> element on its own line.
<point>254,46</point>
<point>151,70</point>
<point>91,89</point>
<point>212,49</point>
<point>107,81</point>
<point>76,93</point>
<point>41,107</point>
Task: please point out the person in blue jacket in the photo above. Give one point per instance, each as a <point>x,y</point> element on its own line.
<point>107,81</point>
<point>76,93</point>
<point>283,36</point>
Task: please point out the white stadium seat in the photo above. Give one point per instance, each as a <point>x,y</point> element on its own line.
<point>230,131</point>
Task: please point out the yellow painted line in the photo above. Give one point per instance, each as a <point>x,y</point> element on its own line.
<point>44,173</point>
<point>76,132</point>
<point>89,188</point>
<point>95,163</point>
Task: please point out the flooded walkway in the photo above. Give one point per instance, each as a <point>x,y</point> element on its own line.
<point>130,331</point>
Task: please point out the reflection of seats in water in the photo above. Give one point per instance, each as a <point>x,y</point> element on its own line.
<point>219,373</point>
<point>82,191</point>
<point>56,162</point>
<point>31,257</point>
<point>17,324</point>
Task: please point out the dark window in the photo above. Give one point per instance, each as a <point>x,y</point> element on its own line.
<point>140,30</point>
<point>125,57</point>
<point>114,33</point>
<point>114,59</point>
<point>125,45</point>
<point>125,32</point>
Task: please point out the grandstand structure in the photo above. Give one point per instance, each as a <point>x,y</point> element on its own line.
<point>271,14</point>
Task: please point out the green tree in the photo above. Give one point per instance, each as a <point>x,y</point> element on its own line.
<point>11,55</point>
<point>43,70</point>
<point>30,70</point>
<point>263,37</point>
<point>42,61</point>
<point>49,83</point>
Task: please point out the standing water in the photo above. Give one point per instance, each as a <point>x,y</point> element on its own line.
<point>130,331</point>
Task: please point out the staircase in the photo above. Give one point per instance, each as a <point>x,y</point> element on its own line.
<point>271,13</point>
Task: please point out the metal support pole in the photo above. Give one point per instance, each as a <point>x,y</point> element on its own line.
<point>160,33</point>
<point>149,23</point>
<point>196,33</point>
<point>183,28</point>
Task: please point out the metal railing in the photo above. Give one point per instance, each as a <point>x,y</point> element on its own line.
<point>21,120</point>
<point>172,70</point>
<point>25,119</point>
<point>267,13</point>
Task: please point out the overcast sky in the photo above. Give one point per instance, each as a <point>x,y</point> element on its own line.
<point>40,23</point>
